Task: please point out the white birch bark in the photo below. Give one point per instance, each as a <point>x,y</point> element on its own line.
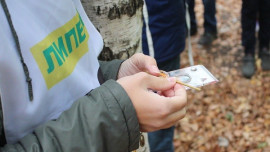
<point>120,24</point>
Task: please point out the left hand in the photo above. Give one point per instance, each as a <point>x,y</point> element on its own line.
<point>138,63</point>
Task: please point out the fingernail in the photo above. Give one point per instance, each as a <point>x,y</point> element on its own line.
<point>155,69</point>
<point>171,79</point>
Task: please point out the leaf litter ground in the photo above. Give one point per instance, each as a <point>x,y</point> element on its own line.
<point>234,114</point>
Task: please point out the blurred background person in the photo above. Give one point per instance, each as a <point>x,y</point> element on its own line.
<point>251,11</point>
<point>210,22</point>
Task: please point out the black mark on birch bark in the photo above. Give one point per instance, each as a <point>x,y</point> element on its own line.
<point>108,55</point>
<point>129,8</point>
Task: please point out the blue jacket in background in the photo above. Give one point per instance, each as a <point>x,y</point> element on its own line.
<point>166,19</point>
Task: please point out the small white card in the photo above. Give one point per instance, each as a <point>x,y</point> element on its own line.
<point>196,76</point>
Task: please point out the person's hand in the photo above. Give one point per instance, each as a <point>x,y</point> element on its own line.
<point>155,110</point>
<point>138,63</point>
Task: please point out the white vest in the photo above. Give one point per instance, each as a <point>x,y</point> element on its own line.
<point>60,47</point>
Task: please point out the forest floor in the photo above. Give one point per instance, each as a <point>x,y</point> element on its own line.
<point>232,115</point>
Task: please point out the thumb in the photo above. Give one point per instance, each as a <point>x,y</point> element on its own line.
<point>152,69</point>
<point>145,63</point>
<point>159,83</point>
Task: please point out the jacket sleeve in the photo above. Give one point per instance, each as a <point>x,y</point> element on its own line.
<point>110,69</point>
<point>105,120</point>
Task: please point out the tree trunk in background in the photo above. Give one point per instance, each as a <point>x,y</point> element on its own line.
<point>120,24</point>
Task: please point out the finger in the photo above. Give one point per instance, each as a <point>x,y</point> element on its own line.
<point>147,128</point>
<point>165,122</point>
<point>179,100</point>
<point>168,93</point>
<point>179,90</point>
<point>159,84</point>
<point>175,117</point>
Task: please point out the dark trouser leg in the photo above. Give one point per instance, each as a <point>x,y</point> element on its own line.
<point>210,22</point>
<point>249,16</point>
<point>171,64</point>
<point>161,140</point>
<point>264,33</point>
<point>248,20</point>
<point>264,21</point>
<point>191,5</point>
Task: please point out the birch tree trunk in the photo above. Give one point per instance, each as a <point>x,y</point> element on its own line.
<point>120,24</point>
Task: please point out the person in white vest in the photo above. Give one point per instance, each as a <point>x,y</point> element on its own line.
<point>56,95</point>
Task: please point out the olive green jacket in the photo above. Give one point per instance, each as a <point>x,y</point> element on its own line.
<point>102,121</point>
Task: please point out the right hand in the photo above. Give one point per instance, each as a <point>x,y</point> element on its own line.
<point>155,111</point>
